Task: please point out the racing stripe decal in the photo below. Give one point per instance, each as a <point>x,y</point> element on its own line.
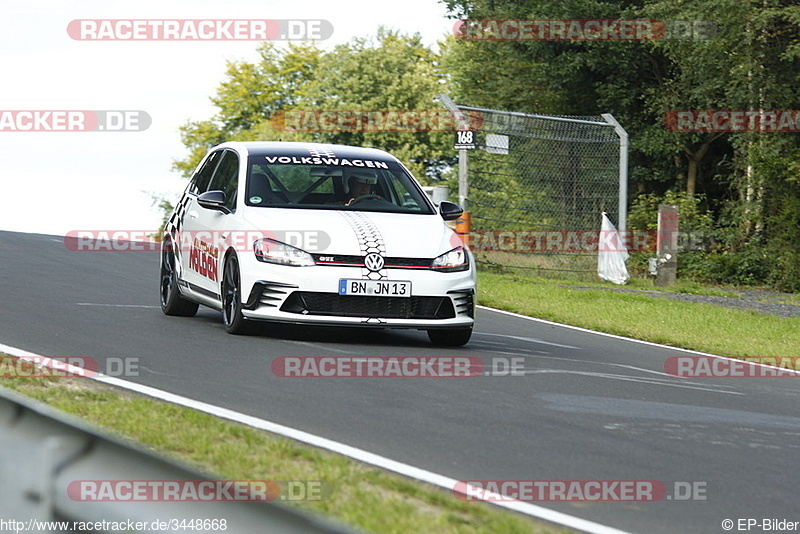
<point>324,152</point>
<point>176,221</point>
<point>370,241</point>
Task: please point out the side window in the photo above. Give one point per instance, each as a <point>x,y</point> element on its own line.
<point>203,175</point>
<point>226,178</point>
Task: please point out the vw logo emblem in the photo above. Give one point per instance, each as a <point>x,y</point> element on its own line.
<point>373,262</point>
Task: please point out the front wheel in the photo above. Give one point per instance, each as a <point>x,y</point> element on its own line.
<point>232,318</point>
<point>172,303</point>
<point>450,337</point>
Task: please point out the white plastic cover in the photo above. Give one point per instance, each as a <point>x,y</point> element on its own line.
<point>611,254</point>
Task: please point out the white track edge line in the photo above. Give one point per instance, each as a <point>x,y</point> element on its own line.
<point>606,334</point>
<point>650,343</point>
<point>361,455</point>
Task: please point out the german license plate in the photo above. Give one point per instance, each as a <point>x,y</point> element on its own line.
<point>375,288</point>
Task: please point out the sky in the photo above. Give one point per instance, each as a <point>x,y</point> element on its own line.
<point>60,182</point>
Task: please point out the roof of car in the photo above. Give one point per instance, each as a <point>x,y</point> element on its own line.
<point>292,148</point>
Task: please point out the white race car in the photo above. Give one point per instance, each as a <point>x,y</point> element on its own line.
<point>316,234</point>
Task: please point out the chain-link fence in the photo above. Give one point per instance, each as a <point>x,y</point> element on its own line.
<point>536,187</point>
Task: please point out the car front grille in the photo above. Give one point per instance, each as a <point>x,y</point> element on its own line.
<point>390,262</point>
<point>333,304</point>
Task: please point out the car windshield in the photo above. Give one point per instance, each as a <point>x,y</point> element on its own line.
<point>363,185</point>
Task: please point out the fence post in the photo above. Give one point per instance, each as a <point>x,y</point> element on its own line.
<point>667,245</point>
<point>622,223</point>
<point>463,181</point>
<point>463,124</point>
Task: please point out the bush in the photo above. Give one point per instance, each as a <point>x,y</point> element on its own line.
<point>784,225</point>
<point>727,259</point>
<point>643,214</point>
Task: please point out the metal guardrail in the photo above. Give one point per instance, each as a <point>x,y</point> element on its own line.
<point>44,451</point>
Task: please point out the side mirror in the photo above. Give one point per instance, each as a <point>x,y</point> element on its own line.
<point>450,211</point>
<point>213,200</point>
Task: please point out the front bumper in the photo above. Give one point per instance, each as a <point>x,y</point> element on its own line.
<point>308,295</point>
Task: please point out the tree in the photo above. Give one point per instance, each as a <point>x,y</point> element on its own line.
<point>249,97</point>
<point>751,63</point>
<point>393,73</point>
<point>580,78</point>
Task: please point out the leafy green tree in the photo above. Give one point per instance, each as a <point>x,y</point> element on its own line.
<point>579,78</point>
<point>393,72</point>
<point>732,70</point>
<point>753,63</point>
<point>389,73</point>
<point>247,99</point>
<point>750,63</point>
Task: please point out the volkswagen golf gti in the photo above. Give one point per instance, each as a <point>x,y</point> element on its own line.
<point>316,234</point>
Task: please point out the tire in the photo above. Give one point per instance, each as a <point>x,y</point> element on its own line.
<point>172,303</point>
<point>232,317</point>
<point>450,337</point>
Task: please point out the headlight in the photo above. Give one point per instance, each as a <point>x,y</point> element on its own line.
<point>453,261</point>
<point>271,251</point>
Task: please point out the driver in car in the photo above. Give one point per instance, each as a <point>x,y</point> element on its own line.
<point>361,183</point>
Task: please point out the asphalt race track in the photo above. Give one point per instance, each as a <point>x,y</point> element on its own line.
<point>589,407</point>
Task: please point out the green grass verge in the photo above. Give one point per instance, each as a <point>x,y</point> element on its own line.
<point>697,326</point>
<point>366,497</point>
